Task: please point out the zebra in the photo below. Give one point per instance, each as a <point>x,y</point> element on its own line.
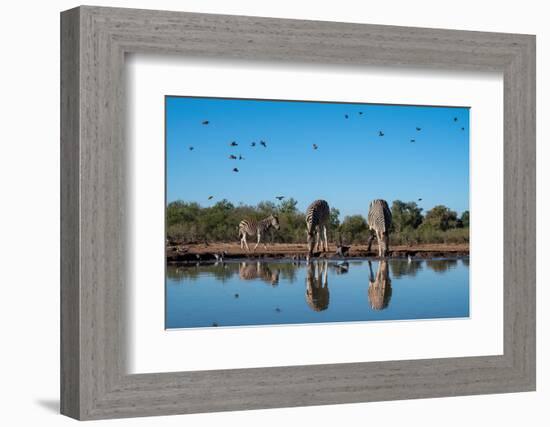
<point>379,219</point>
<point>317,217</point>
<point>379,292</point>
<point>259,270</point>
<point>256,228</point>
<point>317,292</point>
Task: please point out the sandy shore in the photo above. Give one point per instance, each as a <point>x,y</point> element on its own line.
<point>193,252</point>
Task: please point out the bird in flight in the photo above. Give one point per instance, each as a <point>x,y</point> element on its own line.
<point>210,197</point>
<point>235,170</point>
<point>420,199</point>
<point>233,144</point>
<point>191,148</point>
<point>418,129</point>
<point>455,119</point>
<point>360,113</point>
<point>462,128</point>
<point>241,157</point>
<point>346,116</point>
<point>232,157</point>
<point>280,197</point>
<point>205,122</point>
<point>252,144</point>
<point>315,146</point>
<point>380,133</point>
<point>263,143</point>
<point>413,140</point>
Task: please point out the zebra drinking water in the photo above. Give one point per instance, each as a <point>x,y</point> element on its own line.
<point>252,227</point>
<point>317,218</point>
<point>379,220</point>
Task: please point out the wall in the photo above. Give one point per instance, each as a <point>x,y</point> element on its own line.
<point>29,172</point>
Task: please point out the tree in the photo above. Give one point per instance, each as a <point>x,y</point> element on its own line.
<point>440,218</point>
<point>465,218</point>
<point>405,215</point>
<point>288,206</point>
<point>354,228</point>
<point>334,221</point>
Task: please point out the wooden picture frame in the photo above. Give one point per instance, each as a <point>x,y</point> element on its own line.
<point>94,41</point>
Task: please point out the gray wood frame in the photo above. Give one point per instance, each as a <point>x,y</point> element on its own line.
<point>94,41</point>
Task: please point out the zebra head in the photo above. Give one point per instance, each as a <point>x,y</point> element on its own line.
<point>274,221</point>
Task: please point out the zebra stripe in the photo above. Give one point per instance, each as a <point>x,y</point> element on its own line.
<point>379,217</point>
<point>317,214</point>
<point>317,218</point>
<point>252,226</point>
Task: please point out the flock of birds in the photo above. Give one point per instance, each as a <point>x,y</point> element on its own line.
<point>315,146</point>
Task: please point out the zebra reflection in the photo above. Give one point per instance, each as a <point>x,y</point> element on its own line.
<point>258,270</point>
<point>317,293</point>
<point>380,286</point>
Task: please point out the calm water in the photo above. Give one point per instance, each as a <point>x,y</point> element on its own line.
<point>267,293</point>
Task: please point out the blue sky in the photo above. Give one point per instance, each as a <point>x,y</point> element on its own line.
<point>351,166</point>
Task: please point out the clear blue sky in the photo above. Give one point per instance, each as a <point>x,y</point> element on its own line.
<point>352,165</point>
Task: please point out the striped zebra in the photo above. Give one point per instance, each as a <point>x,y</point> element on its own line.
<point>379,220</point>
<point>380,290</point>
<point>258,270</point>
<point>317,292</point>
<point>252,227</point>
<point>317,218</point>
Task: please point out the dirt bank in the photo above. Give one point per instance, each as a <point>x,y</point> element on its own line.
<point>206,252</point>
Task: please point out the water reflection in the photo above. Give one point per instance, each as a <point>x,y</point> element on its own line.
<point>405,267</point>
<point>228,293</point>
<point>441,267</point>
<point>259,270</point>
<point>317,293</point>
<point>380,286</point>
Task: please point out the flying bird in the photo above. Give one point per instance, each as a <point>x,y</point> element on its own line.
<point>205,122</point>
<point>279,197</point>
<point>263,143</point>
<point>315,146</point>
<point>346,116</point>
<point>210,197</point>
<point>420,199</point>
<point>191,148</point>
<point>235,170</point>
<point>380,133</point>
<point>360,113</point>
<point>455,119</point>
<point>413,140</point>
<point>241,157</point>
<point>462,128</point>
<point>233,144</point>
<point>252,144</point>
<point>418,129</point>
<point>232,157</point>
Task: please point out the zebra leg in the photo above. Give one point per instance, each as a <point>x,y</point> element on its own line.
<point>318,239</point>
<point>245,243</point>
<point>379,239</point>
<point>326,240</point>
<point>258,242</point>
<point>369,242</point>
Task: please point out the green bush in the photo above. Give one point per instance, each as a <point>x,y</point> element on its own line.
<point>190,222</point>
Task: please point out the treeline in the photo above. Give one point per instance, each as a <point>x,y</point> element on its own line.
<point>190,222</point>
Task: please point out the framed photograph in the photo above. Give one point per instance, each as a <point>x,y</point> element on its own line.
<point>262,213</point>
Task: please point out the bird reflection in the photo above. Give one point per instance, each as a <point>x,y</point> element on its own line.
<point>258,270</point>
<point>317,293</point>
<point>380,286</point>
